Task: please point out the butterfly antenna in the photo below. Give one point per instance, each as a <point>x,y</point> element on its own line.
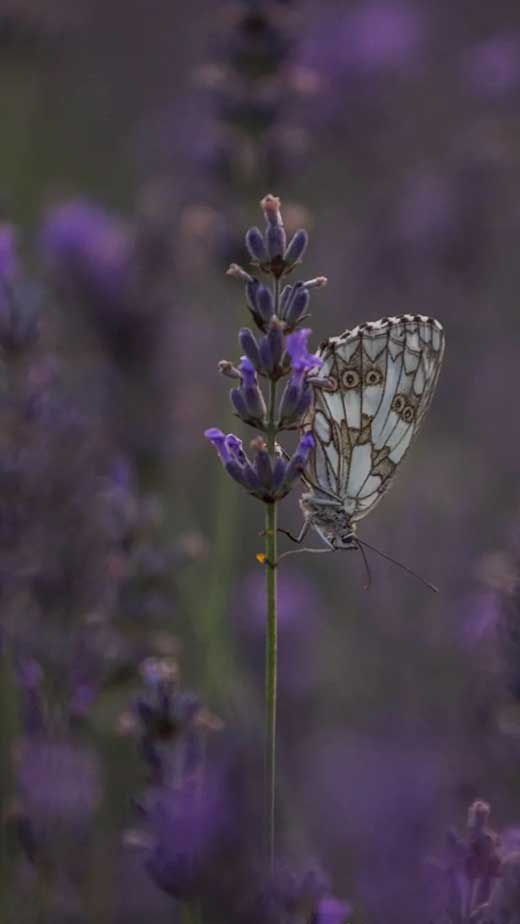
<point>367,567</point>
<point>363,542</point>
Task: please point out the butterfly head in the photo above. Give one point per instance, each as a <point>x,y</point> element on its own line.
<point>330,520</point>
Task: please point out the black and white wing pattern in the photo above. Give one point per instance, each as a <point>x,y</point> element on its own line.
<point>382,376</point>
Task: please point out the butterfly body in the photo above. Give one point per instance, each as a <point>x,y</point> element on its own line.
<point>370,398</point>
<point>330,520</point>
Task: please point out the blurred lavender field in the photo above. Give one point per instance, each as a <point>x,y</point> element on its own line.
<point>137,141</point>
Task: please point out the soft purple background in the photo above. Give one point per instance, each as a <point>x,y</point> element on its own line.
<point>395,140</point>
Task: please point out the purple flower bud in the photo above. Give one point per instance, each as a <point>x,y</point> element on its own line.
<point>249,344</point>
<point>218,438</point>
<point>248,372</point>
<point>236,396</point>
<point>276,341</point>
<point>266,357</point>
<point>263,467</point>
<point>297,349</point>
<point>271,206</point>
<point>237,472</point>
<point>272,346</point>
<point>296,248</point>
<point>236,462</point>
<point>285,298</point>
<point>264,303</point>
<point>260,303</point>
<point>251,393</point>
<point>235,447</point>
<point>279,469</point>
<point>256,245</point>
<point>297,306</point>
<point>252,481</point>
<point>291,398</point>
<point>252,287</point>
<point>276,241</point>
<point>299,460</point>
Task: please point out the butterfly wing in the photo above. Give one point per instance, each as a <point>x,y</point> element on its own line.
<point>381,378</point>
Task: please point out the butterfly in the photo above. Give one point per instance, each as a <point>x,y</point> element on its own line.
<point>370,398</point>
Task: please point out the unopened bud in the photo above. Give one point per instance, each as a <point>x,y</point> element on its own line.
<point>296,248</point>
<point>316,283</point>
<point>237,272</point>
<point>238,401</point>
<point>255,244</point>
<point>276,241</point>
<point>297,307</point>
<point>271,206</point>
<point>227,368</point>
<point>264,303</point>
<point>249,345</point>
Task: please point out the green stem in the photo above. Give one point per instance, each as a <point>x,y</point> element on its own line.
<point>270,676</point>
<point>271,640</point>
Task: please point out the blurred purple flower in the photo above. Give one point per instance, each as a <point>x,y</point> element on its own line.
<point>204,832</point>
<point>376,36</point>
<point>510,839</point>
<point>8,257</point>
<point>480,616</point>
<point>375,798</point>
<point>332,911</point>
<point>492,67</point>
<point>380,35</point>
<point>59,786</point>
<point>80,239</point>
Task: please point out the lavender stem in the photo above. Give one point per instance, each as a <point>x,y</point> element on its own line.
<point>271,648</point>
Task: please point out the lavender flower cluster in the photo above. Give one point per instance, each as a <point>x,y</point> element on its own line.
<point>279,352</point>
<point>201,824</point>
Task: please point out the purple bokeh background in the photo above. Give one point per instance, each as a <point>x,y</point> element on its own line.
<point>136,145</point>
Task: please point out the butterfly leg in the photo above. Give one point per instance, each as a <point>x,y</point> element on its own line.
<point>301,535</point>
<point>285,532</point>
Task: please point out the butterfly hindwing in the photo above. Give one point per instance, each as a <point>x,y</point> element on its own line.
<point>380,379</point>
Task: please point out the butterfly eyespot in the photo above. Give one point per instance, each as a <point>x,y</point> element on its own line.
<point>408,414</point>
<point>399,404</point>
<point>373,377</point>
<point>350,378</point>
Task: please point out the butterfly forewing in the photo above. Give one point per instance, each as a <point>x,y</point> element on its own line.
<point>380,379</point>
